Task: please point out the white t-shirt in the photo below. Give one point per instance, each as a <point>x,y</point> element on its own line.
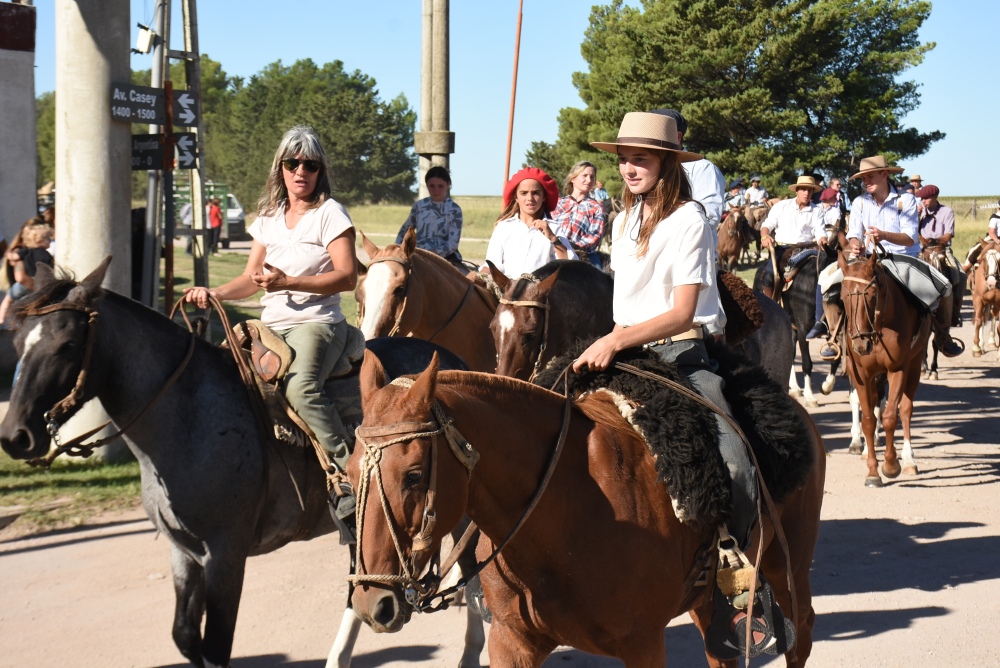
<point>681,251</point>
<point>301,251</point>
<point>792,225</point>
<point>517,249</point>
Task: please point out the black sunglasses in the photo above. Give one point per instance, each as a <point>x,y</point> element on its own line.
<point>291,164</point>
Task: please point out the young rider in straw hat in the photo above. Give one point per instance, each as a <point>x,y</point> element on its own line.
<point>793,221</point>
<point>666,294</point>
<point>884,215</point>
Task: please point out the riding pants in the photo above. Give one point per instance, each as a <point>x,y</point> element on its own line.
<point>318,346</point>
<point>691,359</point>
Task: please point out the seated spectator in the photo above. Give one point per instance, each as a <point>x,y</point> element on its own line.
<point>24,260</point>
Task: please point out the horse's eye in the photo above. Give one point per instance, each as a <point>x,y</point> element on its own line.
<point>399,292</point>
<point>67,348</point>
<point>413,478</point>
<point>528,337</point>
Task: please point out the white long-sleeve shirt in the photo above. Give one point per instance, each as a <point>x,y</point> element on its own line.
<point>708,186</point>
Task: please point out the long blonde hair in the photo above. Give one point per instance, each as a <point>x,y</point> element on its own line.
<point>671,191</point>
<point>300,140</point>
<point>575,172</point>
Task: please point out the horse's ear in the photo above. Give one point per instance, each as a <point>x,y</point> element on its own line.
<point>89,289</point>
<point>372,377</point>
<point>841,261</point>
<point>545,285</point>
<point>498,277</point>
<point>44,274</point>
<point>369,247</point>
<point>362,268</point>
<point>421,394</point>
<point>410,241</point>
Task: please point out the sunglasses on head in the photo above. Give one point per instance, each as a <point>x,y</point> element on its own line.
<point>291,164</point>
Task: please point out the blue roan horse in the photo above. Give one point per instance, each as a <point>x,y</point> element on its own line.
<point>209,482</point>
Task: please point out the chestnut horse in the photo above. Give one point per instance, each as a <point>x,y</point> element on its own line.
<point>986,292</point>
<point>408,291</point>
<point>600,563</point>
<point>887,337</point>
<point>734,239</point>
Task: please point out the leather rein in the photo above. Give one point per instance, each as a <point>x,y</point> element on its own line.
<point>421,592</point>
<point>76,447</point>
<point>408,268</point>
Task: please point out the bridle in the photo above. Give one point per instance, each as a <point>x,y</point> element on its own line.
<point>860,306</point>
<point>545,324</point>
<point>408,269</point>
<point>62,409</point>
<point>420,592</point>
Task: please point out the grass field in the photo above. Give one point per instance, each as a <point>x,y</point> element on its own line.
<point>90,488</point>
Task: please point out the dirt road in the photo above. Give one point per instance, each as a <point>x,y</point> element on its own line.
<point>905,575</point>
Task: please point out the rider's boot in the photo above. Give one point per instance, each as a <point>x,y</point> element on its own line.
<point>942,326</point>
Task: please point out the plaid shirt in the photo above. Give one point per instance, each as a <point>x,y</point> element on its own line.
<point>582,223</point>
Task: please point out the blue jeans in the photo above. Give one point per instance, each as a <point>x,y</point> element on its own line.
<point>692,360</point>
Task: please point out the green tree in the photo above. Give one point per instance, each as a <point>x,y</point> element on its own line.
<point>775,87</point>
<point>368,141</point>
<point>45,137</point>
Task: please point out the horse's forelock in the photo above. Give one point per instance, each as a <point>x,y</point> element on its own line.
<point>52,292</point>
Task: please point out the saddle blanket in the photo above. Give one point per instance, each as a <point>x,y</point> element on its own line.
<point>925,283</point>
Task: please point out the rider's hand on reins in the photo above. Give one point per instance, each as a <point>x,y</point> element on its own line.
<point>197,296</point>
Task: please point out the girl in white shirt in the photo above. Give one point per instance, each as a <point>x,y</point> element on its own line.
<point>524,237</point>
<point>663,256</point>
<point>303,258</point>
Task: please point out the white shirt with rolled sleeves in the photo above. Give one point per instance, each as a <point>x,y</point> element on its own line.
<point>681,251</point>
<point>708,186</point>
<point>898,213</point>
<point>792,225</point>
<point>517,249</point>
<point>831,217</point>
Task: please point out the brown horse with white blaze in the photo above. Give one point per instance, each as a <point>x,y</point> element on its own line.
<point>408,291</point>
<point>887,337</point>
<point>563,578</point>
<point>985,292</point>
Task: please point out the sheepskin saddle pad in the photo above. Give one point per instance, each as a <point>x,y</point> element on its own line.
<point>682,435</point>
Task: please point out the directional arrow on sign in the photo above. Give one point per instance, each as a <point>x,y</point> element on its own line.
<point>185,106</point>
<point>185,150</point>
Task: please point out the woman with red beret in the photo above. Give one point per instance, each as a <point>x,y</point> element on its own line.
<point>524,236</point>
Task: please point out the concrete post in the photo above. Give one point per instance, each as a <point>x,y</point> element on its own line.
<point>434,143</point>
<point>18,201</point>
<point>93,153</point>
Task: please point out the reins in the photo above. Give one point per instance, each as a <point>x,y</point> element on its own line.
<point>76,447</point>
<point>421,593</point>
<point>545,323</point>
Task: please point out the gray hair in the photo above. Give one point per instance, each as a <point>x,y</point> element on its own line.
<point>574,171</point>
<point>300,140</point>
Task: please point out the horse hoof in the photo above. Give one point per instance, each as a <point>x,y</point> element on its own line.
<point>891,472</point>
<point>910,470</point>
<point>812,403</point>
<point>873,481</point>
<point>855,449</point>
<point>795,393</point>
<point>977,353</point>
<point>934,375</point>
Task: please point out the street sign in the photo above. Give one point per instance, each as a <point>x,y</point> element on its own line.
<point>137,104</point>
<point>187,150</point>
<point>185,108</point>
<point>147,151</point>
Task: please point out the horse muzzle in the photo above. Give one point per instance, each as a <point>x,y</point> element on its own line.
<point>20,442</point>
<point>862,346</point>
<point>384,611</point>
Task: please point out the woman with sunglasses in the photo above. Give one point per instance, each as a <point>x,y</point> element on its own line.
<point>666,297</point>
<point>303,258</point>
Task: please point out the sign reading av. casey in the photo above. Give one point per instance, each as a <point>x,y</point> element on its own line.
<point>137,104</point>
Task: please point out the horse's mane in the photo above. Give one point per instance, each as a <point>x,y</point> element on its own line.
<point>47,291</point>
<point>581,275</point>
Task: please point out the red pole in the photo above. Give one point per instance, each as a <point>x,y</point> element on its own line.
<point>513,93</point>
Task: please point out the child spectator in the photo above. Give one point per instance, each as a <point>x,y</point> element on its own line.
<point>24,259</point>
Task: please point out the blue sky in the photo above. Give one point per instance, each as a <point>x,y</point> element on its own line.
<point>382,39</point>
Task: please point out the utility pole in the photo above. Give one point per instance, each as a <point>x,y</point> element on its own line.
<point>150,291</point>
<point>192,63</point>
<point>434,143</point>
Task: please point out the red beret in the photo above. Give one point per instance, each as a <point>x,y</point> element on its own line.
<point>828,195</point>
<point>548,183</point>
<point>928,192</point>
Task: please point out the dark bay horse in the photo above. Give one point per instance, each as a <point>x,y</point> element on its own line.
<point>601,563</point>
<point>540,316</point>
<point>209,483</point>
<point>986,294</point>
<point>408,291</point>
<point>886,340</point>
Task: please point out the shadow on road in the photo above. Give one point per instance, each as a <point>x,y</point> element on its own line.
<point>125,528</point>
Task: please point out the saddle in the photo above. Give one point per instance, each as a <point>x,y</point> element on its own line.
<point>794,259</point>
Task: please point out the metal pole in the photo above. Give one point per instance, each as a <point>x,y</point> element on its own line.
<point>440,111</point>
<point>193,69</point>
<point>150,251</point>
<point>513,93</point>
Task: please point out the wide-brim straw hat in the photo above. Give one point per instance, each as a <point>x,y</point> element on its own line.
<point>645,130</point>
<point>876,163</point>
<point>805,182</point>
